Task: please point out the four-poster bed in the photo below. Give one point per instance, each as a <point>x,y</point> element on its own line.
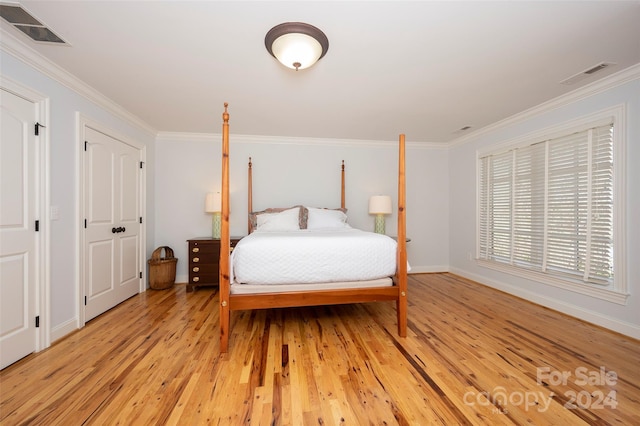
<point>324,293</point>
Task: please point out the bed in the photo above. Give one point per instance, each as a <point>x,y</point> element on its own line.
<point>264,286</point>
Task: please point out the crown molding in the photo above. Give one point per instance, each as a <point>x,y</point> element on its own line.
<point>289,140</point>
<point>18,49</point>
<point>614,80</point>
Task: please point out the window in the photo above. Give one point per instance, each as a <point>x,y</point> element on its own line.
<point>546,207</point>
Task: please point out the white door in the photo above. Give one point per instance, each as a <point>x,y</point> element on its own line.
<point>18,248</point>
<point>112,222</point>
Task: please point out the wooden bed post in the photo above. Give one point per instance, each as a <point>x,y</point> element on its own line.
<point>342,197</point>
<point>249,195</point>
<point>225,238</point>
<point>401,276</point>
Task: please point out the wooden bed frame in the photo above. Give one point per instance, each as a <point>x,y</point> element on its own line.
<point>231,302</point>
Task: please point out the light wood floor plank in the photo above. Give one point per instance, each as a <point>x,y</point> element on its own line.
<point>472,355</point>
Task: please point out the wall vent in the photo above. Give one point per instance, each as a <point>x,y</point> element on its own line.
<point>587,73</point>
<point>25,22</point>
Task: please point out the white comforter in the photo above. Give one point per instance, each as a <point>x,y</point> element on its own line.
<point>315,256</point>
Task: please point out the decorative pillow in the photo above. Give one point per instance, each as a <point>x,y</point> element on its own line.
<point>287,220</point>
<point>326,218</point>
<point>302,218</point>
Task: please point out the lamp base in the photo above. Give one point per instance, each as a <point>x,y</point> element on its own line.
<point>216,221</point>
<point>379,224</point>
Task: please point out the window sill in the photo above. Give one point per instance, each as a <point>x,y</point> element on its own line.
<point>585,289</point>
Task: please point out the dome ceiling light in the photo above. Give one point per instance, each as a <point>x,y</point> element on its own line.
<point>296,45</point>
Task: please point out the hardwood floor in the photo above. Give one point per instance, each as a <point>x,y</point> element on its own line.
<point>473,355</point>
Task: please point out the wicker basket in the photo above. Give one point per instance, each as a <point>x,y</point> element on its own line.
<point>162,270</point>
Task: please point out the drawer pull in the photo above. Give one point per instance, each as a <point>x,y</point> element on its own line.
<point>196,259</point>
<point>196,279</point>
<point>196,269</point>
<point>195,249</point>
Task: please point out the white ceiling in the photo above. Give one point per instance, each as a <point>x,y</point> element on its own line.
<point>421,68</point>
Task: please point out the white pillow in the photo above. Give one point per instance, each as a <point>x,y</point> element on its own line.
<point>326,218</point>
<point>287,220</point>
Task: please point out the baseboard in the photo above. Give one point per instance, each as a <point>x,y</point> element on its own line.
<point>428,269</point>
<point>62,330</point>
<point>592,317</point>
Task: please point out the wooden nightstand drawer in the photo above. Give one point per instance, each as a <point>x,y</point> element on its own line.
<point>201,249</point>
<point>204,279</point>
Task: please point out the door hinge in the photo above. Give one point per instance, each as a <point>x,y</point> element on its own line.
<point>37,225</point>
<point>141,274</point>
<point>140,219</point>
<point>38,321</point>
<point>85,145</point>
<point>85,224</point>
<point>37,128</point>
<point>85,301</point>
<point>141,163</point>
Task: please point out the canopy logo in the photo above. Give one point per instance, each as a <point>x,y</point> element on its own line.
<point>597,399</point>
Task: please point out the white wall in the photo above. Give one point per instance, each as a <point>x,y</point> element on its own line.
<point>462,164</point>
<point>64,152</point>
<point>288,171</point>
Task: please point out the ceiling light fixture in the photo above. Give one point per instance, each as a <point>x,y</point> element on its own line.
<point>296,45</point>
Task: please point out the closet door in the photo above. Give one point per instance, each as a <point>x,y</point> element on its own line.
<point>18,249</point>
<point>111,247</point>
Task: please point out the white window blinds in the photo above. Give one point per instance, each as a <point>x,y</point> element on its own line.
<point>548,206</point>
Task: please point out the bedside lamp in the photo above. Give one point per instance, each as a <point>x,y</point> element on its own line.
<point>213,204</point>
<point>379,205</point>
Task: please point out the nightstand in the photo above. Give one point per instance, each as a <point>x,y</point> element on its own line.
<point>204,261</point>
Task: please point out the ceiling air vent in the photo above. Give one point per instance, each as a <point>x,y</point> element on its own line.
<point>587,73</point>
<point>22,20</point>
<point>462,130</point>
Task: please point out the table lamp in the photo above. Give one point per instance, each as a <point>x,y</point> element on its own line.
<point>213,204</point>
<point>379,205</point>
